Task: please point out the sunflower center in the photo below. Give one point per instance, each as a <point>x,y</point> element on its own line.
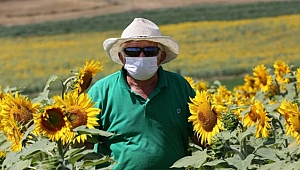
<point>21,114</point>
<point>86,80</point>
<point>253,114</point>
<point>55,120</point>
<point>77,116</point>
<point>208,119</point>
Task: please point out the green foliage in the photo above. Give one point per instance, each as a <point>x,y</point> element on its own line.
<point>163,16</point>
<point>243,146</point>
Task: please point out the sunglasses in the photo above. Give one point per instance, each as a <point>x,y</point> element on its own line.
<point>136,51</point>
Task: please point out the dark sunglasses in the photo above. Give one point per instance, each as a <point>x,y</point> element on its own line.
<point>136,51</point>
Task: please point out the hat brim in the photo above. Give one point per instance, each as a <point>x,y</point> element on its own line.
<point>112,46</point>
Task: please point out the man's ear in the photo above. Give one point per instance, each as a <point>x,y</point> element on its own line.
<point>121,58</point>
<point>162,57</point>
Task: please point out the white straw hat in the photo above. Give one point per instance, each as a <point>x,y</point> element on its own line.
<point>141,29</point>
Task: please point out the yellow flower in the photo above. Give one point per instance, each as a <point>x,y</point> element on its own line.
<point>298,77</point>
<point>80,111</point>
<point>281,69</point>
<point>2,154</point>
<point>86,74</point>
<point>206,121</point>
<point>257,115</point>
<point>191,81</point>
<point>201,85</point>
<point>52,123</point>
<point>16,115</point>
<point>291,114</point>
<point>221,100</point>
<point>262,78</point>
<point>249,88</point>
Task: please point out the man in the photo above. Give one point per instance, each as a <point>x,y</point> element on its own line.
<point>145,105</point>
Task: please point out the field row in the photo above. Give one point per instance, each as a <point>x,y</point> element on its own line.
<point>208,48</point>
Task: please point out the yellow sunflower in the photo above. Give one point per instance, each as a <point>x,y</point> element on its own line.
<point>281,69</point>
<point>221,100</point>
<point>262,78</point>
<point>206,121</point>
<point>52,123</point>
<point>16,115</point>
<point>290,113</point>
<point>298,77</point>
<point>257,115</point>
<point>201,85</point>
<point>249,88</point>
<point>2,154</point>
<point>191,81</point>
<point>80,111</point>
<point>86,74</point>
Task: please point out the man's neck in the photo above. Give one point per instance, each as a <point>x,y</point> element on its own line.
<point>143,87</point>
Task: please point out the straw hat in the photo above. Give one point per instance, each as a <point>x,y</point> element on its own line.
<point>141,29</point>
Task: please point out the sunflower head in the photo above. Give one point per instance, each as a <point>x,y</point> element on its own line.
<point>79,111</point>
<point>230,121</point>
<point>205,120</point>
<point>86,75</point>
<point>52,122</point>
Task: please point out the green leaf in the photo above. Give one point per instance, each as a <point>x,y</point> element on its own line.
<point>241,164</point>
<point>84,130</point>
<point>196,160</point>
<point>43,145</point>
<point>250,131</point>
<point>105,159</point>
<point>214,163</point>
<point>21,164</point>
<point>275,165</point>
<point>267,153</point>
<point>51,79</point>
<point>78,156</point>
<point>43,96</point>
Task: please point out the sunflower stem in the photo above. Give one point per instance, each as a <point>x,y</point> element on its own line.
<point>236,151</point>
<point>60,149</point>
<point>64,84</point>
<point>243,142</point>
<point>283,132</point>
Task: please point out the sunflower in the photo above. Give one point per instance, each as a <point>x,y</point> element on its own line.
<point>257,115</point>
<point>16,115</point>
<point>52,123</point>
<point>80,111</point>
<point>191,81</point>
<point>206,121</point>
<point>281,69</point>
<point>262,78</point>
<point>86,74</point>
<point>201,85</point>
<point>2,154</point>
<point>290,113</point>
<point>249,88</point>
<point>298,77</point>
<point>221,100</point>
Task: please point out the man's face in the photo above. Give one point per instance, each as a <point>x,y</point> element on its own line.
<point>143,49</point>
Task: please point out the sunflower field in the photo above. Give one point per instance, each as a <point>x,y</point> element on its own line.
<point>46,117</point>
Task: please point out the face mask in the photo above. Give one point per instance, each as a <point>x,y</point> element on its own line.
<point>141,68</point>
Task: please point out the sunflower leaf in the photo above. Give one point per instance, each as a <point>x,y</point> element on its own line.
<point>267,153</point>
<point>51,79</point>
<point>79,156</point>
<point>196,160</point>
<point>84,130</point>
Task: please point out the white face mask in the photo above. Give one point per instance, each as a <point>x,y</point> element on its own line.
<point>141,68</point>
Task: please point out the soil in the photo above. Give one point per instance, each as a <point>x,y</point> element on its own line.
<point>19,12</point>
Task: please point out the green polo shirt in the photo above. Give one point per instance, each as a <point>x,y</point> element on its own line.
<point>152,133</point>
